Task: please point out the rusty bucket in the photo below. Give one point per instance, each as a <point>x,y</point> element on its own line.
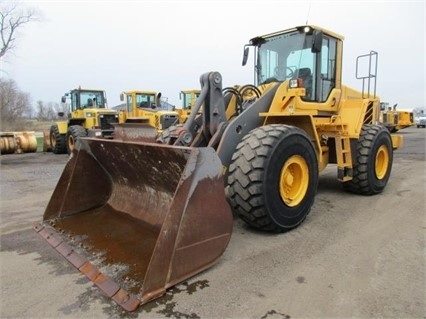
<point>135,132</point>
<point>138,218</point>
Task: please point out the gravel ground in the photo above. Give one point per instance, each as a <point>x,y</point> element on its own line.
<point>353,257</point>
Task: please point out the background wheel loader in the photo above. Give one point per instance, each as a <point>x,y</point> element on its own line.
<point>144,117</point>
<point>394,119</point>
<point>88,117</point>
<point>188,98</point>
<point>151,215</point>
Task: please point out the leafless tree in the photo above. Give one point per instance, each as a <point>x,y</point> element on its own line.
<point>42,111</point>
<point>14,104</point>
<point>12,18</point>
<point>49,111</point>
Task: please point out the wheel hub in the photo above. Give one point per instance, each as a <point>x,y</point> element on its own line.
<point>294,180</point>
<point>382,162</point>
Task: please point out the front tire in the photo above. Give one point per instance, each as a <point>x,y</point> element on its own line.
<point>273,178</point>
<point>74,132</point>
<point>57,140</point>
<point>373,162</point>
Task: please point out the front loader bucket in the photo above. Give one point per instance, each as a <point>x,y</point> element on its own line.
<point>135,132</point>
<point>138,218</point>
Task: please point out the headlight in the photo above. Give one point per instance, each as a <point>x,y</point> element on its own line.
<point>89,114</point>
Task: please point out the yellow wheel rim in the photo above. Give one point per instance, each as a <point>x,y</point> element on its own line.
<point>294,180</point>
<point>382,162</point>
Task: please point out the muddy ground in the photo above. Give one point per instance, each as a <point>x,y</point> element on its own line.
<point>354,256</point>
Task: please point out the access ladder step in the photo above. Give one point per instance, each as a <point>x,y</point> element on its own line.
<point>344,158</point>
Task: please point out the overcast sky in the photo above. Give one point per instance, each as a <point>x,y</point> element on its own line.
<point>165,45</point>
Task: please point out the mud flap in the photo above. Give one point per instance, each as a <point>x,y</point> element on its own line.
<point>138,218</point>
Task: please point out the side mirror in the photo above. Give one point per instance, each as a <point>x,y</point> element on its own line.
<point>316,41</point>
<point>245,55</point>
<point>63,99</point>
<point>121,97</point>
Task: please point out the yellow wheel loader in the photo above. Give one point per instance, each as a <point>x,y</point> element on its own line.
<point>137,218</point>
<point>144,116</point>
<point>188,98</point>
<point>88,117</point>
<point>394,119</point>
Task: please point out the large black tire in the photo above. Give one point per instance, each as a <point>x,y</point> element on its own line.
<point>373,163</point>
<point>73,133</point>
<point>273,178</point>
<point>57,140</point>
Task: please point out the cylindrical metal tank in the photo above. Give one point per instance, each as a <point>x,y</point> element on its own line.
<point>27,142</point>
<point>7,143</point>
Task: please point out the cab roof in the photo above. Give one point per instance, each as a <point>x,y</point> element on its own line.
<point>313,27</point>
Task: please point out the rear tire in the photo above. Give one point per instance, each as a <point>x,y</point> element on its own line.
<point>74,132</point>
<point>57,140</point>
<point>373,162</point>
<point>273,178</point>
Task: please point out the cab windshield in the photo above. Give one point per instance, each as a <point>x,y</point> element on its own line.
<point>282,57</point>
<point>140,100</point>
<point>87,99</point>
<point>189,99</point>
<point>145,100</point>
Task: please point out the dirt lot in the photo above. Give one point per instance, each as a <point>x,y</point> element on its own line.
<point>354,256</point>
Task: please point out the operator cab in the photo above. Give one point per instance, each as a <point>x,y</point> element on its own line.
<point>144,100</point>
<point>81,99</point>
<point>189,98</point>
<point>305,56</point>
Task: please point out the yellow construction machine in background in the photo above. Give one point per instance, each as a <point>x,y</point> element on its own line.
<point>152,215</point>
<point>89,116</point>
<point>394,119</point>
<point>144,116</point>
<point>188,98</point>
